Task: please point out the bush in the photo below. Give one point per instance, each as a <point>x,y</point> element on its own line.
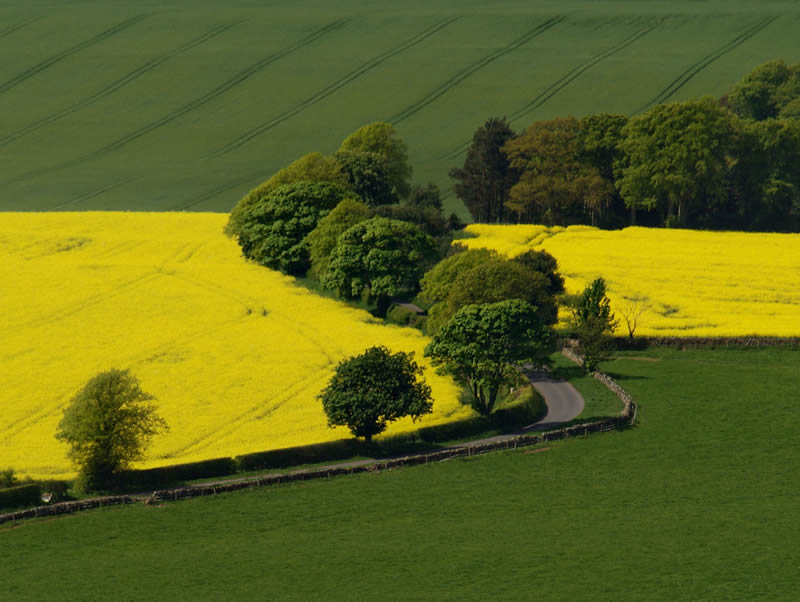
<point>56,489</point>
<point>8,477</point>
<point>330,451</point>
<point>406,317</point>
<point>172,475</point>
<point>22,495</point>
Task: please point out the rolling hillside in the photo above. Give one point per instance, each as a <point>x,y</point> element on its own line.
<point>186,105</point>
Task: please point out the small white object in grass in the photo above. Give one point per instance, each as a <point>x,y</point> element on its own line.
<point>46,497</point>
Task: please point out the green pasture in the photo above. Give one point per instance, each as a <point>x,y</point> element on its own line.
<point>186,105</point>
<point>699,501</point>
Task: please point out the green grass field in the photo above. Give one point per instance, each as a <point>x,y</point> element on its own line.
<point>186,105</point>
<point>698,502</point>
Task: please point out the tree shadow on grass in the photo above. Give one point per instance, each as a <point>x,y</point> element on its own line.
<point>617,376</point>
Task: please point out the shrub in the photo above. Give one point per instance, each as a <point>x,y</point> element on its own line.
<point>21,495</point>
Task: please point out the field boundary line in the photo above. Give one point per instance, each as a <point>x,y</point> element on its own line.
<point>564,81</point>
<point>333,87</point>
<point>52,60</point>
<point>464,73</point>
<point>116,85</point>
<point>680,81</point>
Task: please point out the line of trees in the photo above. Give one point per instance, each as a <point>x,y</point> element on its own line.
<point>729,163</point>
<point>352,220</point>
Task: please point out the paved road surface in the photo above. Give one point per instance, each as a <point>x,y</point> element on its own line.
<point>564,403</point>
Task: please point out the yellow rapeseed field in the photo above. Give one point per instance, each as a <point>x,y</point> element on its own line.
<point>692,283</point>
<point>234,353</point>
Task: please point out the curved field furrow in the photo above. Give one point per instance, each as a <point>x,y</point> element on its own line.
<point>49,62</point>
<point>335,86</point>
<point>9,30</point>
<point>251,177</point>
<point>191,106</point>
<point>116,85</point>
<point>221,89</point>
<point>465,73</point>
<point>86,303</point>
<point>562,82</point>
<point>92,194</point>
<point>35,416</point>
<point>697,67</point>
<point>255,412</point>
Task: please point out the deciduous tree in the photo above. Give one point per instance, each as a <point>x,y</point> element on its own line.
<point>322,239</point>
<point>483,345</point>
<point>370,390</point>
<point>542,262</point>
<point>382,139</point>
<point>313,167</point>
<point>437,282</point>
<point>556,183</point>
<point>107,426</point>
<point>368,175</point>
<point>766,90</point>
<point>677,158</point>
<point>383,256</point>
<point>497,279</point>
<point>272,231</point>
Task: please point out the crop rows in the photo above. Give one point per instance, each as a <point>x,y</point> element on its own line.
<point>180,109</point>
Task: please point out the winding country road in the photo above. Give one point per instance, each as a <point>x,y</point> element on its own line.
<point>564,403</point>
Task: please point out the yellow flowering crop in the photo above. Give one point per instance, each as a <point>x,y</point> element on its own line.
<point>694,283</point>
<point>234,353</point>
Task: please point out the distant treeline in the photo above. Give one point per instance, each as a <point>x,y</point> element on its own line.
<point>728,163</point>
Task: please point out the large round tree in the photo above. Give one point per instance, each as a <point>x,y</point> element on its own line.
<point>482,346</point>
<point>372,389</point>
<point>383,256</point>
<point>272,232</point>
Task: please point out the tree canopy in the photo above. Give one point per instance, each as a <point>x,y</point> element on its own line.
<point>370,390</point>
<point>767,91</point>
<point>541,261</point>
<point>382,139</point>
<point>272,231</point>
<point>437,282</point>
<point>486,177</point>
<point>384,256</point>
<point>368,175</point>
<point>556,182</point>
<point>491,281</point>
<point>482,346</point>
<point>322,239</point>
<point>677,158</point>
<point>108,425</point>
<point>313,167</point>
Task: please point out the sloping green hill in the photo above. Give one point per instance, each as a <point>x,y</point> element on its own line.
<point>186,105</point>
